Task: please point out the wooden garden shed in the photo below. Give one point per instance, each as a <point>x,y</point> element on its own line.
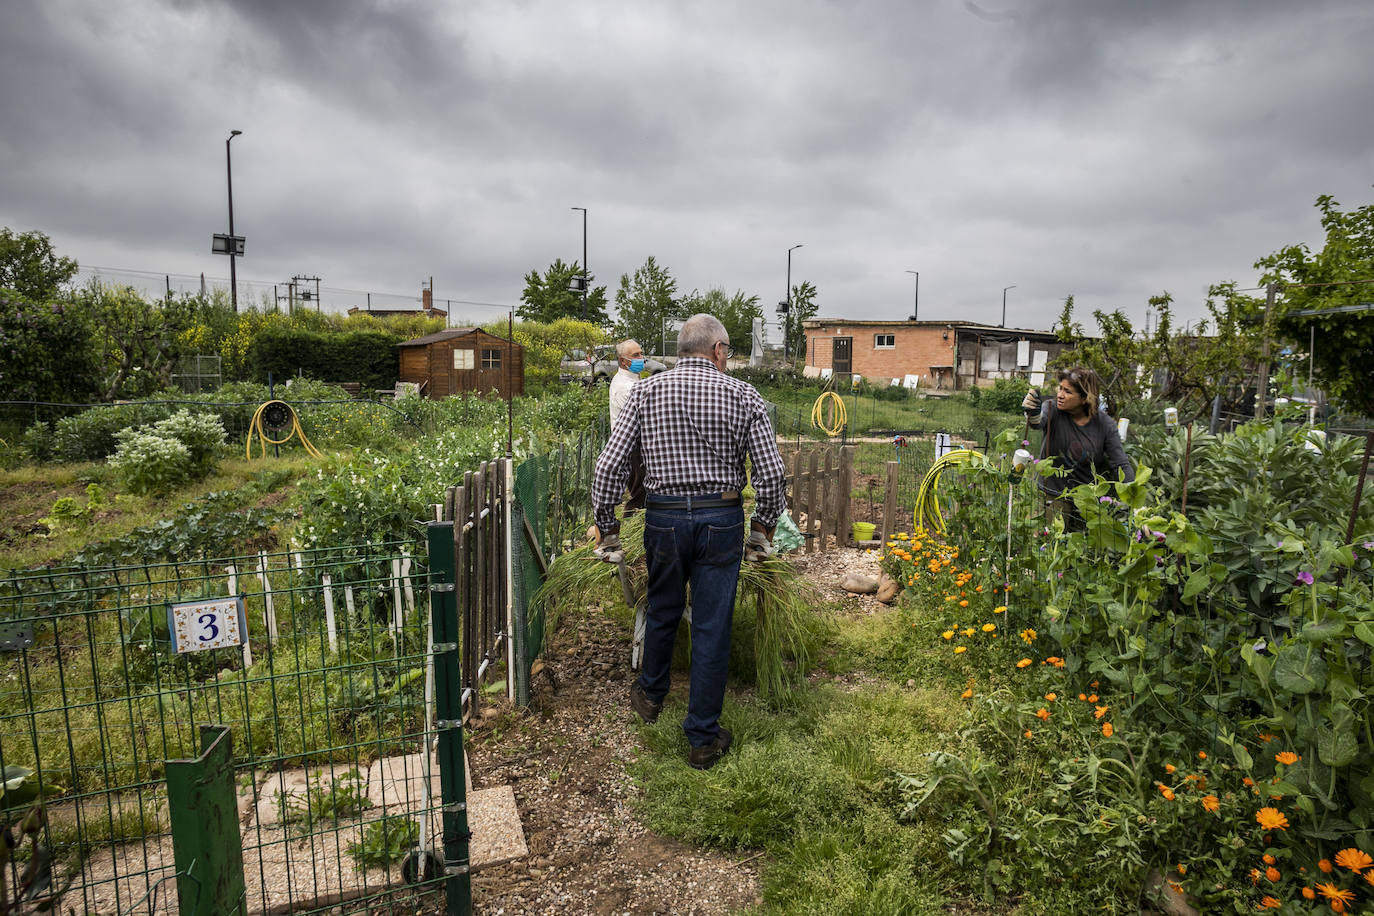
<point>463,361</point>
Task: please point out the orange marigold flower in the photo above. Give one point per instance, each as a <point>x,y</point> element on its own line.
<point>1268,859</point>
<point>1288,758</point>
<point>1028,733</point>
<point>1092,698</point>
<point>1093,684</point>
<point>1369,877</point>
<point>967,694</point>
<point>1269,903</point>
<point>1211,803</point>
<point>1042,714</point>
<point>1248,781</point>
<point>1169,768</point>
<point>1357,860</point>
<point>1254,876</point>
<point>1338,897</point>
<point>1266,738</point>
<point>1182,869</point>
<point>1309,893</point>
<point>1107,729</point>
<point>1100,711</point>
<point>1271,873</point>
<point>1023,663</point>
<point>1201,755</point>
<point>1324,865</point>
<point>963,603</point>
<point>1167,792</point>
<point>1272,819</point>
<point>1051,697</point>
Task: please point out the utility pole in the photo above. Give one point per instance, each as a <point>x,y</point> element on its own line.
<point>1262,385</point>
<point>586,277</point>
<point>916,302</point>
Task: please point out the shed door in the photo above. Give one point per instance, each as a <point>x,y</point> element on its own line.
<point>841,355</point>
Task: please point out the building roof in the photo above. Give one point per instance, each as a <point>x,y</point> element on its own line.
<point>953,325</point>
<point>446,334</point>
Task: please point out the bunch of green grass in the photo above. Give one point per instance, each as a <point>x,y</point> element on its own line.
<point>775,617</point>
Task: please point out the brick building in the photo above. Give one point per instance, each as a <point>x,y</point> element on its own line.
<point>935,354</point>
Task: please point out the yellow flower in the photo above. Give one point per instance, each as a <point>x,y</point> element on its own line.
<point>989,627</point>
<point>1023,663</point>
<point>1357,860</point>
<point>1338,897</point>
<point>1028,635</point>
<point>1273,819</point>
<point>1107,729</point>
<point>1286,757</point>
<point>948,634</point>
<point>1002,609</point>
<point>1042,714</point>
<point>960,650</point>
<point>970,631</point>
<point>1211,803</point>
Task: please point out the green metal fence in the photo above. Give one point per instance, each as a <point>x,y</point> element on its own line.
<point>325,700</point>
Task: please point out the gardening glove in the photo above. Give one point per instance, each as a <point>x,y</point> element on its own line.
<point>609,549</point>
<point>1031,403</point>
<point>759,547</point>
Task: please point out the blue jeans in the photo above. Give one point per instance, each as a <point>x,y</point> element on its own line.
<point>703,548</point>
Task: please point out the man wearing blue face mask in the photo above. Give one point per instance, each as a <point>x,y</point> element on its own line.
<point>630,355</point>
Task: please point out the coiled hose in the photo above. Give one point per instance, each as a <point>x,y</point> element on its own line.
<point>276,414</point>
<point>927,510</point>
<point>838,415</point>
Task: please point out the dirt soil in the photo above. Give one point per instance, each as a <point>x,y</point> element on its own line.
<point>567,759</point>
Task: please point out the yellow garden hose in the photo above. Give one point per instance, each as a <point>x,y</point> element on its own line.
<point>838,415</point>
<point>257,426</point>
<point>927,510</point>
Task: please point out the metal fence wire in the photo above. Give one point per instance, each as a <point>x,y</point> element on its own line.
<point>326,700</point>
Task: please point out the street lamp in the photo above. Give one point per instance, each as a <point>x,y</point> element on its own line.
<point>1004,304</point>
<point>584,260</point>
<point>916,303</point>
<point>229,173</point>
<point>785,307</point>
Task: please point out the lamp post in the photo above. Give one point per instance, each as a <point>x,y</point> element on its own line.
<point>787,306</point>
<point>229,173</point>
<point>1004,304</point>
<point>916,302</point>
<point>584,260</point>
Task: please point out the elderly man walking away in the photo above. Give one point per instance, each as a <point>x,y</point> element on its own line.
<point>694,425</point>
<point>630,357</point>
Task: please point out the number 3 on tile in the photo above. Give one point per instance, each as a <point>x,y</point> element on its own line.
<point>214,624</point>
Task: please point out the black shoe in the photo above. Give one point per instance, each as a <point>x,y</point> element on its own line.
<point>705,757</point>
<point>648,710</point>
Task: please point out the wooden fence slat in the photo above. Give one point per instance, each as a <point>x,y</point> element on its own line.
<point>813,507</point>
<point>846,486</point>
<point>890,501</point>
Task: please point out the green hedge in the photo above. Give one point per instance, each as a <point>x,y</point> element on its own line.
<point>367,357</point>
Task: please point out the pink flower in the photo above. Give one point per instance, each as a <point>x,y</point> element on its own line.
<point>1305,577</point>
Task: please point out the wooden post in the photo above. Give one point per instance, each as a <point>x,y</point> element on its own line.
<point>814,507</point>
<point>846,486</point>
<point>890,501</point>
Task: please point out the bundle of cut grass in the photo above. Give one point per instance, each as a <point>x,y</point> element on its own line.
<point>774,606</point>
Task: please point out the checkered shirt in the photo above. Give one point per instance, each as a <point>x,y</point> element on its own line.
<point>694,425</point>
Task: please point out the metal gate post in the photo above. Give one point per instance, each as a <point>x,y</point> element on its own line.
<point>206,844</point>
<point>448,713</point>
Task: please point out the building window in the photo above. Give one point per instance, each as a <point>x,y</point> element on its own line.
<point>884,341</point>
<point>491,359</point>
<point>462,359</point>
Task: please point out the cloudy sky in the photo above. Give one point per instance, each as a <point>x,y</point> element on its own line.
<point>1109,149</point>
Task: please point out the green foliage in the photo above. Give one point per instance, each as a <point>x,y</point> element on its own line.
<point>91,434</point>
<point>201,433</point>
<point>645,301</point>
<point>545,346</point>
<point>138,340</point>
<point>804,307</point>
<point>288,349</point>
<point>736,312</point>
<point>1338,275</point>
<point>37,443</point>
<point>384,842</point>
<point>1005,395</point>
<point>548,298</point>
<point>30,266</point>
<point>162,457</point>
<point>46,350</point>
<point>344,796</point>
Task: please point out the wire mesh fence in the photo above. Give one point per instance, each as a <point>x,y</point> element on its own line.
<point>324,692</point>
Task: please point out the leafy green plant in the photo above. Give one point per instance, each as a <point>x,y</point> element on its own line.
<point>344,796</point>
<point>148,463</point>
<point>384,842</point>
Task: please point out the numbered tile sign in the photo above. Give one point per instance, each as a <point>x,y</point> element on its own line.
<point>211,624</point>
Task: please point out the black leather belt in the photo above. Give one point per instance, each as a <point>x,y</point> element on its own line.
<point>705,501</point>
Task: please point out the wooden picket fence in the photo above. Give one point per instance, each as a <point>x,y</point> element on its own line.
<point>819,481</point>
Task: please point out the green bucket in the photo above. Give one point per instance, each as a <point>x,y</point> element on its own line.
<point>863,531</point>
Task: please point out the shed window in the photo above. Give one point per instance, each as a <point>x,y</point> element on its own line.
<point>491,359</point>
<point>462,359</point>
<point>884,341</point>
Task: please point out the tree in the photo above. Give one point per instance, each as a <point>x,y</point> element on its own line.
<point>736,312</point>
<point>545,346</point>
<point>30,267</point>
<point>1340,275</point>
<point>549,297</point>
<point>46,351</point>
<point>645,301</point>
<point>803,307</point>
<point>138,340</point>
